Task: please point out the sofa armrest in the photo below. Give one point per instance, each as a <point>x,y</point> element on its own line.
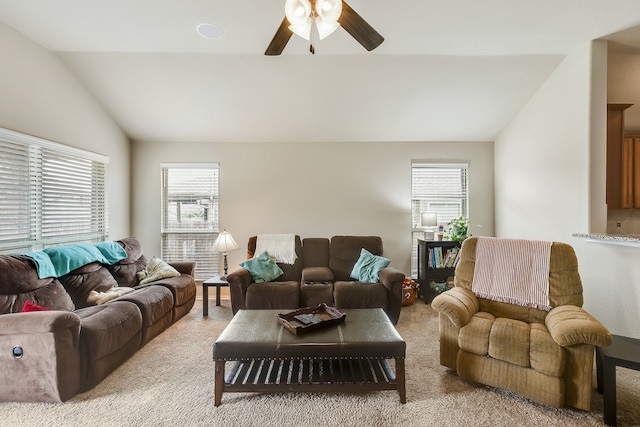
<point>184,267</point>
<point>393,279</point>
<point>458,304</point>
<point>570,325</point>
<point>37,322</point>
<point>239,282</point>
<point>44,365</point>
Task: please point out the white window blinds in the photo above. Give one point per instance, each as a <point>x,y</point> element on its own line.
<point>440,188</point>
<point>190,215</point>
<point>50,194</point>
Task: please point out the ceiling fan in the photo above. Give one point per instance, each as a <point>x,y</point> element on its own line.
<point>319,18</point>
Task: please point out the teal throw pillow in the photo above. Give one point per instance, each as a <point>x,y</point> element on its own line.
<point>262,268</point>
<point>368,266</point>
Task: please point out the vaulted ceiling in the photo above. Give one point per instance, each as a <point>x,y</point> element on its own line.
<point>457,70</point>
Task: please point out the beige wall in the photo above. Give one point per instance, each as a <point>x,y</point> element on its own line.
<point>311,189</point>
<point>549,183</point>
<point>40,97</point>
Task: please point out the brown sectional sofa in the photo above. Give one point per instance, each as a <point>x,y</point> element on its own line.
<point>320,274</point>
<point>49,356</point>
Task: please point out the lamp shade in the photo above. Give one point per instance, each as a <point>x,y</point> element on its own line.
<point>225,243</point>
<point>429,219</point>
<point>301,17</point>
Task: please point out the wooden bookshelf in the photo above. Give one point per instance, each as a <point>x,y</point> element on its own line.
<point>436,262</point>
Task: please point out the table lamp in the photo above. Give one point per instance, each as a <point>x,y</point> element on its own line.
<point>225,243</point>
<point>429,220</point>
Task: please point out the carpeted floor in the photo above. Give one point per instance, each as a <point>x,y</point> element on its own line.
<point>170,382</point>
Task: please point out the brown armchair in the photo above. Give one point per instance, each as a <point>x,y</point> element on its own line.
<point>544,355</point>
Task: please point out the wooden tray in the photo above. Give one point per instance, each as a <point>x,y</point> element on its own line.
<point>309,319</point>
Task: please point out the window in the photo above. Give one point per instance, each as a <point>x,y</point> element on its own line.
<point>190,215</point>
<point>50,194</point>
<point>440,188</point>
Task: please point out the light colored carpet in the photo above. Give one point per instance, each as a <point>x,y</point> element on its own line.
<point>170,382</point>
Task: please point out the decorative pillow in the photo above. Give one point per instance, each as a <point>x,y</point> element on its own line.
<point>262,268</point>
<point>368,266</point>
<point>29,306</point>
<point>156,269</point>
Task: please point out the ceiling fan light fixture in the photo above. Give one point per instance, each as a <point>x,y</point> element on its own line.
<point>298,13</point>
<point>301,16</point>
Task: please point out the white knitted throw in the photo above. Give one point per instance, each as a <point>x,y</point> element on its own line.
<point>279,247</point>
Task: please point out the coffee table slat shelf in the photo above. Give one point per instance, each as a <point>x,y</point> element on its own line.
<point>310,375</point>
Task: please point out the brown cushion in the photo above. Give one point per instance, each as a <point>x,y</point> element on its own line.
<point>127,274</point>
<point>52,296</point>
<point>291,272</point>
<point>18,274</point>
<point>316,252</point>
<point>360,295</point>
<point>273,295</point>
<point>312,295</point>
<point>345,252</point>
<point>132,247</point>
<point>509,341</point>
<point>316,274</point>
<point>80,282</point>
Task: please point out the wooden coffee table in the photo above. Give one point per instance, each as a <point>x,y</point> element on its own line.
<point>350,357</point>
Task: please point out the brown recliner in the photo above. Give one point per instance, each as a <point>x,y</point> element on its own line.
<point>546,356</point>
<point>320,274</point>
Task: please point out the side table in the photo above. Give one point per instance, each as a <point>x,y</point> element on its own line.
<point>625,352</point>
<point>216,281</point>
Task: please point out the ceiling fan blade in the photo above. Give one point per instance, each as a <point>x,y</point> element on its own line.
<point>359,29</point>
<point>280,39</point>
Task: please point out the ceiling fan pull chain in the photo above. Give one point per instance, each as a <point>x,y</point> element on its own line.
<point>312,36</point>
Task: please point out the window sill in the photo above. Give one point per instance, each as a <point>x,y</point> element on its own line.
<point>612,239</point>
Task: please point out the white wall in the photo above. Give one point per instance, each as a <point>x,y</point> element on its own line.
<point>311,189</point>
<point>40,97</point>
<point>549,166</point>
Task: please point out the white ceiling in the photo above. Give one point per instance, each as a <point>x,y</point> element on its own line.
<point>457,70</point>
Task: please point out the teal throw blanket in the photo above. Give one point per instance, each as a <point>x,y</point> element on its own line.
<point>58,261</point>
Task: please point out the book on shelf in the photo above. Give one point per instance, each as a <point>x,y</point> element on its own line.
<point>443,258</point>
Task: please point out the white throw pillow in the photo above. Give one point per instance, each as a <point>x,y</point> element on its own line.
<point>156,269</point>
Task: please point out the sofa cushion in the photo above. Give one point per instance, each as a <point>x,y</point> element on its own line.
<point>29,306</point>
<point>317,275</point>
<point>127,274</point>
<point>133,248</point>
<point>109,335</point>
<point>273,295</point>
<point>360,295</point>
<point>315,294</point>
<point>289,271</point>
<point>156,269</point>
<point>345,251</point>
<point>368,266</point>
<point>262,268</point>
<point>52,296</point>
<point>91,277</point>
<point>316,252</point>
